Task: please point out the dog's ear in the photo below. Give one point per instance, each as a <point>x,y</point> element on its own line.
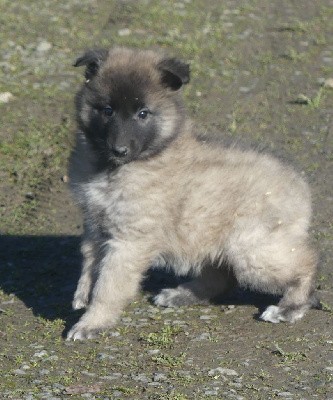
<point>92,59</point>
<point>174,73</point>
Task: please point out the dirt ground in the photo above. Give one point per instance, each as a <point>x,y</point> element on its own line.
<point>261,75</point>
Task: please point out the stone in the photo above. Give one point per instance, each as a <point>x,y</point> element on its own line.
<point>6,97</point>
<point>222,371</point>
<point>43,47</point>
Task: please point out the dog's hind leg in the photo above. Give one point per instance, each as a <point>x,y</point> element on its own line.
<point>275,261</point>
<point>299,293</point>
<point>212,283</point>
<point>299,296</point>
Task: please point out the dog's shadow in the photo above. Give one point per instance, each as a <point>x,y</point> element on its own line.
<point>42,271</point>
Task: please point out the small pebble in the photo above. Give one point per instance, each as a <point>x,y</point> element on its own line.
<point>11,301</point>
<point>44,372</point>
<point>222,371</point>
<point>53,358</point>
<point>178,322</point>
<point>104,356</point>
<point>36,346</point>
<point>19,372</point>
<point>211,393</point>
<point>328,83</point>
<point>207,317</point>
<point>158,377</point>
<point>168,310</point>
<point>58,386</point>
<point>114,334</point>
<point>108,377</point>
<point>244,89</point>
<point>153,352</point>
<point>43,46</point>
<point>86,373</point>
<point>29,196</point>
<point>124,32</point>
<point>41,354</point>
<point>140,378</point>
<point>117,393</point>
<point>6,97</point>
<point>203,336</point>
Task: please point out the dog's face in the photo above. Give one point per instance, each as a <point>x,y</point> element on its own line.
<point>129,107</point>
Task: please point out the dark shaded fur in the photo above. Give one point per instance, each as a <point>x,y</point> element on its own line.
<point>128,90</point>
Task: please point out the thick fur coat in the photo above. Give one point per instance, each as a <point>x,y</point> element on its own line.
<point>152,193</point>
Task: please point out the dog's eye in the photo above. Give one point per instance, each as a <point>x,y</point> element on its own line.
<point>108,111</point>
<point>143,114</point>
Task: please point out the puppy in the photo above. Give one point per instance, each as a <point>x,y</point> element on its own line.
<point>152,193</point>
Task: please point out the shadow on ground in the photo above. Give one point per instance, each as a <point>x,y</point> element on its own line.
<point>42,271</point>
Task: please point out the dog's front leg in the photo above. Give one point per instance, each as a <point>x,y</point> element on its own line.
<point>118,280</point>
<point>84,287</point>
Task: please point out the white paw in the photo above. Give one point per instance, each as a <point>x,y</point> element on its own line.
<point>79,303</point>
<point>177,297</point>
<point>272,314</point>
<point>81,331</point>
<point>165,298</point>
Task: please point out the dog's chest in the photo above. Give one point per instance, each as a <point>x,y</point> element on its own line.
<point>122,204</point>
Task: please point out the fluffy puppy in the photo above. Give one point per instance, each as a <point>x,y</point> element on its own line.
<point>152,193</point>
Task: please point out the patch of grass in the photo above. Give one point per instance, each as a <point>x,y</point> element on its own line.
<point>293,55</point>
<point>162,339</point>
<point>173,396</point>
<point>51,328</point>
<point>326,307</point>
<point>8,312</point>
<point>313,102</point>
<point>295,26</point>
<point>181,378</point>
<point>264,375</point>
<point>125,390</point>
<point>29,160</point>
<point>316,100</point>
<point>265,59</point>
<point>33,147</point>
<point>288,357</point>
<point>232,128</point>
<point>169,360</point>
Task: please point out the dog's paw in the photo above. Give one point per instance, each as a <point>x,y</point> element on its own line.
<point>81,297</point>
<point>272,314</point>
<point>79,302</point>
<point>277,314</point>
<point>176,297</point>
<point>81,331</point>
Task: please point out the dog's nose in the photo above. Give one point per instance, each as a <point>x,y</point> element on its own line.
<point>120,151</point>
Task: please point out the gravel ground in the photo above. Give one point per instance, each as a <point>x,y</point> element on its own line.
<point>261,74</point>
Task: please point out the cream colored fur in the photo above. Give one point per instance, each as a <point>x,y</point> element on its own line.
<point>222,214</point>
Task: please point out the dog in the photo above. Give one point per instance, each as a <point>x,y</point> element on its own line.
<point>151,192</point>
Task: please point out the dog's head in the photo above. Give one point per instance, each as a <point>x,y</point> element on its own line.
<point>129,107</point>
